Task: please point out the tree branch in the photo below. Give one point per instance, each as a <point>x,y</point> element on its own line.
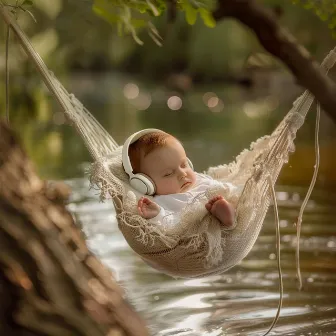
<point>50,284</point>
<point>281,44</point>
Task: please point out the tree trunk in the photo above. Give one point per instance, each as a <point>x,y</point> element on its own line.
<point>281,44</point>
<point>50,284</point>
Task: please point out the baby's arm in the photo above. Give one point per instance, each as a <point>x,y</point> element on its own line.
<point>147,208</point>
<point>154,213</point>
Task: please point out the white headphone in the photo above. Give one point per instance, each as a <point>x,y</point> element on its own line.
<point>140,182</point>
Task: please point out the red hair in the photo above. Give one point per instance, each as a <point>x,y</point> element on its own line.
<point>145,145</point>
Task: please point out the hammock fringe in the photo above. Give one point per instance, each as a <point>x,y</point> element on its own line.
<point>199,245</point>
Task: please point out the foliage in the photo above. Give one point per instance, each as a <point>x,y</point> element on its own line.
<point>324,9</point>
<point>130,15</point>
<point>19,5</point>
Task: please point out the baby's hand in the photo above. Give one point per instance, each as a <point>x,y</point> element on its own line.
<point>147,208</point>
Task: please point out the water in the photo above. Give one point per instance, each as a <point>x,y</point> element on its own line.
<point>242,301</point>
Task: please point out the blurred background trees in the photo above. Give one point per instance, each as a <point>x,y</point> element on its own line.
<point>202,83</point>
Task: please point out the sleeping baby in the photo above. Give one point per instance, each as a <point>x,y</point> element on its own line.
<point>158,160</point>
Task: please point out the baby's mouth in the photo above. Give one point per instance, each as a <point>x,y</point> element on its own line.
<point>185,185</point>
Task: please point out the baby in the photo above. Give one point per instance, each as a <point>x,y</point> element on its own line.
<point>162,158</point>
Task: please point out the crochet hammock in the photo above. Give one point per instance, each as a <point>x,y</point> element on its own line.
<point>198,245</point>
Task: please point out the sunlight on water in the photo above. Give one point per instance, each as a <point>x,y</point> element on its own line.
<point>242,301</point>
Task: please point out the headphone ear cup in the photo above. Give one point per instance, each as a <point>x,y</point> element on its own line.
<point>190,164</point>
<point>138,185</point>
<point>143,183</point>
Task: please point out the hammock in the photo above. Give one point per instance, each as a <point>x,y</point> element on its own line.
<point>199,245</point>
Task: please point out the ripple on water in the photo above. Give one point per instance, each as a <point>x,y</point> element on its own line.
<point>242,301</point>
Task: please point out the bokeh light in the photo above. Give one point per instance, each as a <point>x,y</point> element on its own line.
<point>218,107</point>
<point>131,91</point>
<point>213,102</point>
<point>174,103</point>
<point>207,96</point>
<point>142,101</point>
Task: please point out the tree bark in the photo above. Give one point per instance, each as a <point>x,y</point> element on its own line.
<point>50,284</point>
<point>281,44</point>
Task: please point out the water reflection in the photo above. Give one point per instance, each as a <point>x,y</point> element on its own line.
<point>241,301</point>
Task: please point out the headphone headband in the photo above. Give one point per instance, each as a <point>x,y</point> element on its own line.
<point>131,139</point>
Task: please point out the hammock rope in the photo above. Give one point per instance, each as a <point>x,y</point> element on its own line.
<point>85,123</point>
<point>251,207</point>
<point>305,201</point>
<point>190,250</point>
<point>278,255</point>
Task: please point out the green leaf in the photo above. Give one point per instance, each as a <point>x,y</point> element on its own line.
<point>27,3</point>
<point>191,13</point>
<point>153,8</point>
<point>207,18</point>
<point>138,23</point>
<point>103,9</point>
<point>111,18</point>
<point>324,9</point>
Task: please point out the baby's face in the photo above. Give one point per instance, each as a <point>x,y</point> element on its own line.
<point>168,168</point>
